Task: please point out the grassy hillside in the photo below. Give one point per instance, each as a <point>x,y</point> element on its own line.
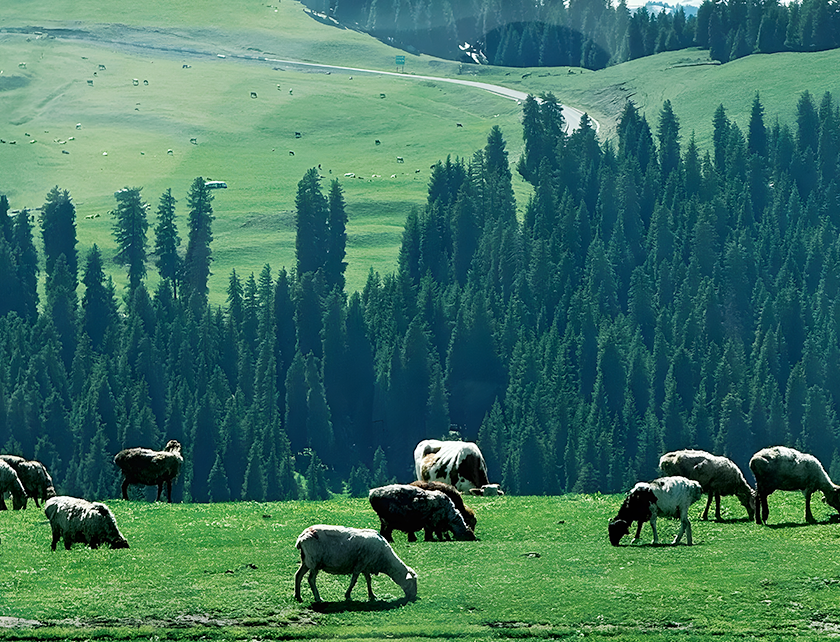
<point>542,569</point>
<point>247,141</point>
<point>695,87</point>
<point>242,140</point>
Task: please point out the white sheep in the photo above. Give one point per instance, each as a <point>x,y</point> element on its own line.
<point>669,496</point>
<point>781,468</point>
<point>719,476</point>
<point>78,520</point>
<point>10,483</point>
<point>350,551</point>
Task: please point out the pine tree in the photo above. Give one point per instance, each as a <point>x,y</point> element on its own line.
<point>62,308</point>
<point>311,222</point>
<point>335,265</point>
<point>26,258</point>
<point>198,257</point>
<point>58,230</point>
<point>99,305</point>
<point>167,241</point>
<point>130,227</point>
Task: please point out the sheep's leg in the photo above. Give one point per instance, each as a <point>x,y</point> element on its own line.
<point>717,506</point>
<point>809,516</point>
<point>353,578</point>
<point>56,535</point>
<point>685,527</point>
<point>125,489</point>
<point>169,490</point>
<point>429,535</point>
<point>68,542</point>
<point>298,577</point>
<point>653,527</point>
<point>2,503</point>
<point>386,531</point>
<point>708,504</point>
<point>412,536</point>
<point>639,525</point>
<point>312,575</point>
<point>160,490</point>
<point>371,596</point>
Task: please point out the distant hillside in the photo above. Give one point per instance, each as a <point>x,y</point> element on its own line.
<point>583,33</point>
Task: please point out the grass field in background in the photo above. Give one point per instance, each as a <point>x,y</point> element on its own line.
<point>543,568</point>
<point>246,141</point>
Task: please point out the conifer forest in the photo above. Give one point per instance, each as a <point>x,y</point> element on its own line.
<point>653,296</point>
<point>588,33</point>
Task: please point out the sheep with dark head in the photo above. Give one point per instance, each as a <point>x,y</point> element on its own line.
<point>781,468</point>
<point>409,509</point>
<point>150,467</point>
<point>669,496</point>
<point>717,475</point>
<point>350,551</point>
<point>10,483</point>
<point>452,493</point>
<point>78,520</point>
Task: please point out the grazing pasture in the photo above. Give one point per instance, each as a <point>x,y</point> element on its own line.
<point>543,568</point>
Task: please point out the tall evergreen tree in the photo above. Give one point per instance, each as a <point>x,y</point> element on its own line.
<point>130,227</point>
<point>58,231</point>
<point>167,241</point>
<point>312,212</point>
<point>198,257</point>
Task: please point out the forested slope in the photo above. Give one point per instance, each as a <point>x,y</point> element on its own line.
<point>655,296</point>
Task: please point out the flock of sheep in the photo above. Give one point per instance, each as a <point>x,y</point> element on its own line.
<point>690,473</point>
<point>432,504</point>
<point>78,520</point>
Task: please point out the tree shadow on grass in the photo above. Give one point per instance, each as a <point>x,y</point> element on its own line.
<point>359,607</point>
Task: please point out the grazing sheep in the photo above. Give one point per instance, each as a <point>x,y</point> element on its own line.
<point>409,509</point>
<point>10,483</point>
<point>669,496</point>
<point>350,551</point>
<point>488,490</point>
<point>781,468</point>
<point>717,475</point>
<point>150,467</point>
<point>452,493</point>
<point>36,480</point>
<point>78,520</point>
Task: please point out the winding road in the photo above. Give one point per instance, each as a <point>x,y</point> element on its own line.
<point>173,42</point>
<point>571,115</point>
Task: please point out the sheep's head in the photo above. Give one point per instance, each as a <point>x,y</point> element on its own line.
<point>832,498</point>
<point>467,536</point>
<point>618,528</point>
<point>173,446</point>
<point>409,584</point>
<point>748,502</point>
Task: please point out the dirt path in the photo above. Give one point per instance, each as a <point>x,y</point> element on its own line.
<point>209,43</point>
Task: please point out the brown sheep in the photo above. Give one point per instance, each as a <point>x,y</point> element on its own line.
<point>452,493</point>
<point>150,467</point>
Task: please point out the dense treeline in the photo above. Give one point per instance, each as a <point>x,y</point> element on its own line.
<point>653,297</point>
<point>589,33</point>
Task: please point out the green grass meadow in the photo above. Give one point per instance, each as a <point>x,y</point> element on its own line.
<point>542,569</point>
<point>246,141</point>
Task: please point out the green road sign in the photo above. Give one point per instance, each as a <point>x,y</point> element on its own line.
<point>400,60</point>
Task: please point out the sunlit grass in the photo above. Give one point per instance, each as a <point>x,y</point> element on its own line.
<point>543,567</point>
